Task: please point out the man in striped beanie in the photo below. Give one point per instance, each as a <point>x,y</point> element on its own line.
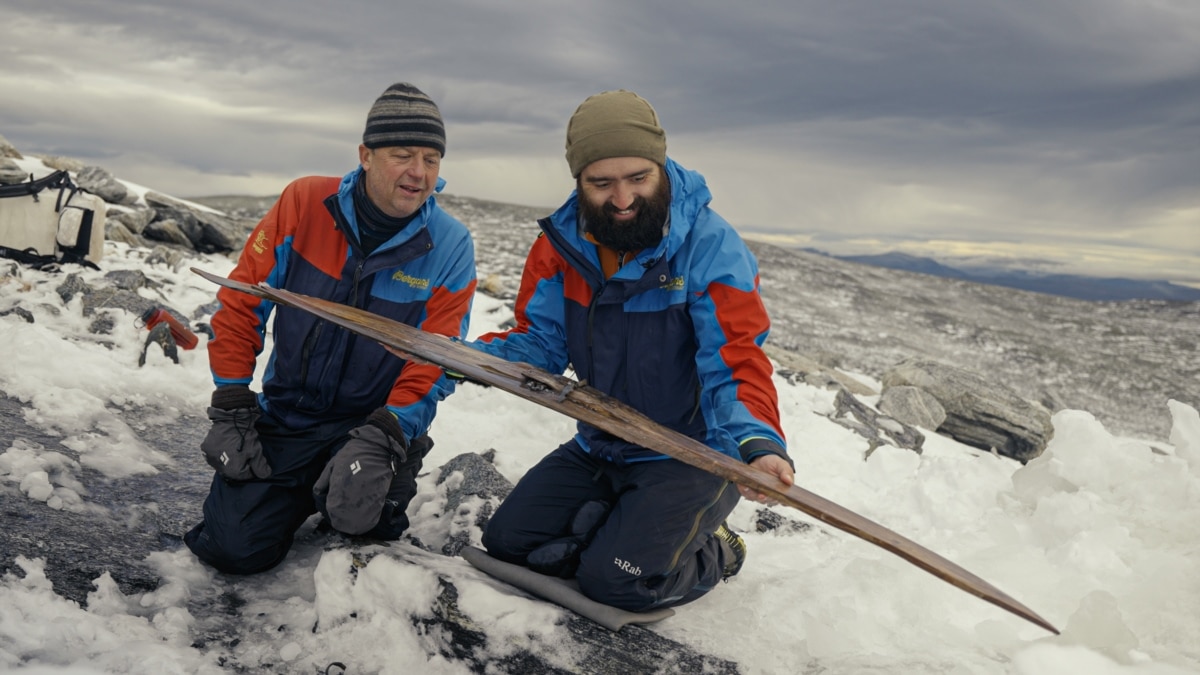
<point>403,128</point>
<point>404,116</point>
<point>340,425</point>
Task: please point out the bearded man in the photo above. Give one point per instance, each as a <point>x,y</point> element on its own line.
<point>653,299</point>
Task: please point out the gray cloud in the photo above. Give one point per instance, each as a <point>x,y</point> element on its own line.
<point>1057,125</point>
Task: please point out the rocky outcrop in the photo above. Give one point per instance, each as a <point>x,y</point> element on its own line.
<point>979,412</point>
<point>147,220</point>
<point>207,231</point>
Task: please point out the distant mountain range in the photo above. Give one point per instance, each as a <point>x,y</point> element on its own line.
<point>1065,285</point>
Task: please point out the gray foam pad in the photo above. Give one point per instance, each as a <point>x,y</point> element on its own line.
<point>563,592</point>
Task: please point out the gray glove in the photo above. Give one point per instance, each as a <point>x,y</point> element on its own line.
<point>232,446</point>
<point>354,485</point>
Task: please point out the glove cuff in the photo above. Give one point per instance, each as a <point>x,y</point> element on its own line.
<point>753,448</point>
<point>233,396</point>
<point>387,422</point>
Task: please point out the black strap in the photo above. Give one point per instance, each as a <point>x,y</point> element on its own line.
<point>28,256</point>
<point>83,239</point>
<point>31,257</point>
<point>58,179</point>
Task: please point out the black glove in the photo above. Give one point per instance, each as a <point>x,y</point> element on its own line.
<point>232,446</point>
<point>354,485</point>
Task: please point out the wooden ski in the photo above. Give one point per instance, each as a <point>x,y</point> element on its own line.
<point>584,403</point>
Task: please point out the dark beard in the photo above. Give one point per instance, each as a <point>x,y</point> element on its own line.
<point>644,231</point>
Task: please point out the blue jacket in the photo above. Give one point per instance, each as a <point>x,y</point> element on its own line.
<point>423,276</point>
<point>676,333</point>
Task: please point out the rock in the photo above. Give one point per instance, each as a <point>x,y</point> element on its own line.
<point>979,412</point>
<point>115,231</point>
<point>7,150</point>
<point>912,405</point>
<point>110,296</point>
<point>185,220</point>
<point>101,183</point>
<point>130,280</point>
<point>102,325</point>
<point>116,298</point>
<point>72,286</point>
<point>876,428</point>
<point>61,163</point>
<point>793,366</point>
<point>11,173</point>
<point>206,310</point>
<point>168,231</point>
<point>19,311</point>
<point>163,255</point>
<point>208,231</point>
<point>134,219</point>
<point>766,520</point>
<point>474,490</point>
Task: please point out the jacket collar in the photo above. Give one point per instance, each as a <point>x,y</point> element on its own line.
<point>689,196</point>
<point>345,202</point>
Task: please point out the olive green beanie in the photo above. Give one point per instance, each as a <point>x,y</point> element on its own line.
<point>614,124</point>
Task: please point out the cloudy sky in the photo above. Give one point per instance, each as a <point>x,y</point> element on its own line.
<point>1061,133</point>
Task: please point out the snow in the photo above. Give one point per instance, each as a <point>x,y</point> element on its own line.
<point>1098,535</point>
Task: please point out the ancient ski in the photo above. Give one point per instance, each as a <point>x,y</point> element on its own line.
<point>581,402</point>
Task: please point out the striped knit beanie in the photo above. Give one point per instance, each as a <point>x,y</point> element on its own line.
<point>614,124</point>
<point>404,115</point>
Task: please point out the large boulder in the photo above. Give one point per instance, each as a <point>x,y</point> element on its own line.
<point>208,231</point>
<point>101,183</point>
<point>912,405</point>
<point>979,412</point>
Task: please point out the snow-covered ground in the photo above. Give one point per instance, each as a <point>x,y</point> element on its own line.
<point>1099,535</point>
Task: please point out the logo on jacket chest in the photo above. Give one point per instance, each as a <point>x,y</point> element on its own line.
<point>674,284</point>
<point>403,278</point>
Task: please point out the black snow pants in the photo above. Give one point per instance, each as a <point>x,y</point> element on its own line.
<point>249,526</point>
<point>638,537</point>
